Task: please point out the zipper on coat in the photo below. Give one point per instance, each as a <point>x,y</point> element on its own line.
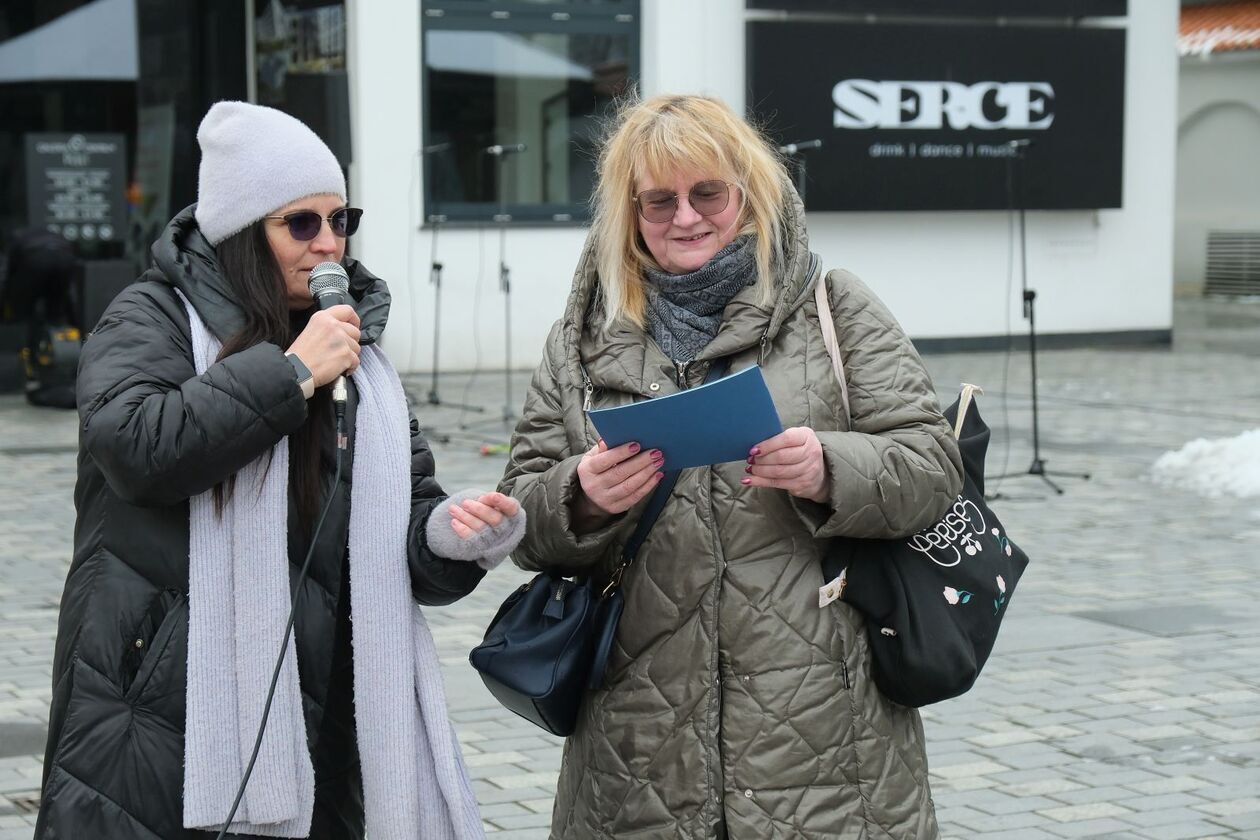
<point>764,348</point>
<point>588,390</point>
<point>682,374</point>
<point>844,674</point>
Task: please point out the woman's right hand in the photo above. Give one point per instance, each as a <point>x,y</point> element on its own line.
<point>329,346</point>
<point>615,480</point>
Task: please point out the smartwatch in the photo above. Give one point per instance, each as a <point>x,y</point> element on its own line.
<point>306,379</point>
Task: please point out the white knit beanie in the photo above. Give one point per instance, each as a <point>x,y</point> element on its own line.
<point>255,160</point>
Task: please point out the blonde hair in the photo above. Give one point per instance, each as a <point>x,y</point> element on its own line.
<point>655,139</point>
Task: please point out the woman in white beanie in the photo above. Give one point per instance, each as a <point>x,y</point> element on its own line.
<point>212,488</point>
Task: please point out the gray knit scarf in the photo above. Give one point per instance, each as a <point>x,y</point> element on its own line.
<point>414,780</point>
<point>684,311</point>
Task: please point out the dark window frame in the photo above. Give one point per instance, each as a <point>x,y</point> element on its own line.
<point>609,17</point>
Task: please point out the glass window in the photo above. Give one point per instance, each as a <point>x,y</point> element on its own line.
<point>513,105</point>
<point>300,65</point>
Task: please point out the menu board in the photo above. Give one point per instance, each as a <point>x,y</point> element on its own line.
<point>74,185</point>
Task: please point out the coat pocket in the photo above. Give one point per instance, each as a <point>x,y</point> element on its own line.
<point>150,639</point>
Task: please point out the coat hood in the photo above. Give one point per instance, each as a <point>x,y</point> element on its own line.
<point>188,262</point>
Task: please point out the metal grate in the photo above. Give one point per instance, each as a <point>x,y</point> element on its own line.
<point>1233,262</point>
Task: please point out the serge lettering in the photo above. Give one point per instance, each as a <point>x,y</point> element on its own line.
<point>866,103</point>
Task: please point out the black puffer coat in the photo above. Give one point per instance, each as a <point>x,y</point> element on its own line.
<point>153,434</point>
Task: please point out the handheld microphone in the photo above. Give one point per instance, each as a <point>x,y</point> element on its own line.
<point>330,286</point>
<point>501,150</point>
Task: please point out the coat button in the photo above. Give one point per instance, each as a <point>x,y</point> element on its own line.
<point>748,793</point>
<point>139,643</point>
<point>655,386</point>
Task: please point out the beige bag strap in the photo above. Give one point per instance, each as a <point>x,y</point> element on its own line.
<point>964,402</point>
<point>828,325</point>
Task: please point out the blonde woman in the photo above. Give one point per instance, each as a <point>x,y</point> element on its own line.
<point>734,706</point>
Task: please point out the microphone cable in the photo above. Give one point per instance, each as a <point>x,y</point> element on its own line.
<point>288,630</point>
<point>992,492</point>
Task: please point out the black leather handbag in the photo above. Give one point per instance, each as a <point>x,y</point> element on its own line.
<point>551,639</point>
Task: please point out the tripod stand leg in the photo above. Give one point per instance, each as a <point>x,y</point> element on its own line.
<point>1056,488</point>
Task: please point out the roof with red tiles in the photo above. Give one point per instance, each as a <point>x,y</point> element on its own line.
<point>1219,27</point>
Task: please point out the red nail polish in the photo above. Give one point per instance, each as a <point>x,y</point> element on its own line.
<point>659,476</point>
<point>748,468</point>
<point>634,448</point>
<point>745,481</point>
<point>755,451</point>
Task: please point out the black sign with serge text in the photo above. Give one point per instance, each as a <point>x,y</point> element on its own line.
<point>945,117</point>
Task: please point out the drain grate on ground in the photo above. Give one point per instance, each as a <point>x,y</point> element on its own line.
<point>1163,620</point>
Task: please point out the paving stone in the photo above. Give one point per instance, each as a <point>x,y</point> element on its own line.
<point>1076,813</point>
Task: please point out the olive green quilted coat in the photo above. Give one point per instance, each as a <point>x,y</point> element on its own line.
<point>733,702</point>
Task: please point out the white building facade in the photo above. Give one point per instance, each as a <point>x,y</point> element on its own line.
<point>952,277</point>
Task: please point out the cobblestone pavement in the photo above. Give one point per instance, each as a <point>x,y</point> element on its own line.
<point>1122,701</point>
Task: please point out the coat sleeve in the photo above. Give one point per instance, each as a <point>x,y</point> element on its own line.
<point>159,432</point>
<point>542,475</point>
<point>435,580</point>
<point>899,468</point>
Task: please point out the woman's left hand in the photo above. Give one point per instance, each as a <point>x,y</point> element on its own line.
<point>791,461</point>
<point>472,515</point>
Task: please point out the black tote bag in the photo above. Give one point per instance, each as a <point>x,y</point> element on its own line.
<point>933,603</point>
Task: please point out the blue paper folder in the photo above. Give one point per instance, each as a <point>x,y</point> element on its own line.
<point>709,424</point>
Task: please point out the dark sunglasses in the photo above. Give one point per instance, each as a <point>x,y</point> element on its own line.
<point>706,198</point>
<point>304,225</point>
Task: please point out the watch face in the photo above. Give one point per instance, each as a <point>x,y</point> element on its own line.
<point>304,374</point>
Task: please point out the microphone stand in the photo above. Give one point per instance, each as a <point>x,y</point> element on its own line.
<point>435,278</point>
<point>1038,466</point>
<point>502,217</point>
<point>793,151</point>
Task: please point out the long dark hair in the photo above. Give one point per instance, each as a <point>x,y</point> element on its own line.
<point>257,286</point>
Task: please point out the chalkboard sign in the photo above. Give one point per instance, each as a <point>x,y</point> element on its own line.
<point>74,185</point>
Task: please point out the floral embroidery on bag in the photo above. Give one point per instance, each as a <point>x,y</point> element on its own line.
<point>955,596</point>
<point>1001,598</point>
<point>1003,542</point>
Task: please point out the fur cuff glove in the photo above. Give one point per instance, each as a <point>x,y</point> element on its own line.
<point>488,547</point>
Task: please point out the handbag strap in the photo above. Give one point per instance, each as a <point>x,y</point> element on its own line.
<point>828,325</point>
<point>717,369</point>
<point>837,365</point>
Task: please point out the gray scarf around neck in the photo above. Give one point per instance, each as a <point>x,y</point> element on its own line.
<point>684,311</point>
<point>414,780</point>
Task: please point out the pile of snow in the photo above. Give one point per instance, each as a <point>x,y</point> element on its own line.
<point>1221,467</point>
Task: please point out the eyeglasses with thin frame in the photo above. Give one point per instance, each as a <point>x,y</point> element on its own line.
<point>304,225</point>
<point>708,198</point>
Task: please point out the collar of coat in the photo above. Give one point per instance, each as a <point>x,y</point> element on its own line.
<point>623,357</point>
<point>188,262</point>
